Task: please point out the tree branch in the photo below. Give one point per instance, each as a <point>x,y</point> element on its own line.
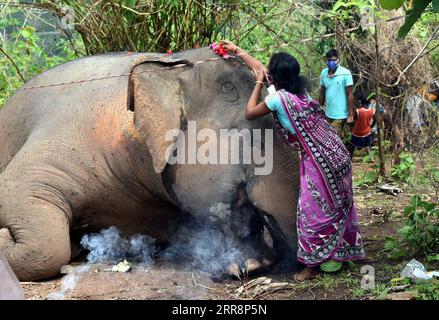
<point>12,61</point>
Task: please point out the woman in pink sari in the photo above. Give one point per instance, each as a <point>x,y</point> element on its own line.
<point>327,225</point>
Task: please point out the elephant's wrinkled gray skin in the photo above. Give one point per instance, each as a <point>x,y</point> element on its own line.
<point>78,158</point>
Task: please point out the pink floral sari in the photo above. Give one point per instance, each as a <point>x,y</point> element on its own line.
<point>327,223</point>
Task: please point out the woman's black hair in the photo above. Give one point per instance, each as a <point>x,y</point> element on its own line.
<point>285,70</point>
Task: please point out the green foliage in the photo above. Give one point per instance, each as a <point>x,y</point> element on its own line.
<point>431,175</point>
<point>370,157</point>
<point>403,170</point>
<point>423,29</point>
<point>158,26</point>
<point>428,290</point>
<point>435,175</point>
<point>412,14</point>
<point>420,233</point>
<point>152,26</point>
<point>420,290</point>
<point>393,248</point>
<point>380,291</point>
<point>345,9</point>
<point>25,48</point>
<point>432,258</point>
<point>358,292</point>
<point>368,178</point>
<point>257,26</point>
<point>139,25</point>
<point>386,144</point>
<point>391,4</point>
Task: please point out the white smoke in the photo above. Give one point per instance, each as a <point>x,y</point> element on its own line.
<point>109,246</point>
<point>68,283</point>
<point>202,243</point>
<point>205,246</point>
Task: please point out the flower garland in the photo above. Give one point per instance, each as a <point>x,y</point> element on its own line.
<point>219,50</point>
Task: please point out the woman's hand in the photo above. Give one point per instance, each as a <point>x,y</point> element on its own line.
<point>253,110</point>
<point>257,68</point>
<point>260,73</point>
<point>229,46</point>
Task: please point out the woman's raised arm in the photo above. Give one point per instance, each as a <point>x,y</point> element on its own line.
<point>254,64</point>
<point>253,109</point>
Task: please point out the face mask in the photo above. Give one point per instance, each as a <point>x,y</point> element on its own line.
<point>332,65</point>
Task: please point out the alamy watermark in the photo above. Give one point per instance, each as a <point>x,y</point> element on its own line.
<point>207,147</point>
<point>368,278</point>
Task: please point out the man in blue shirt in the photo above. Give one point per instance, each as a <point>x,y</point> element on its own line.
<point>336,85</point>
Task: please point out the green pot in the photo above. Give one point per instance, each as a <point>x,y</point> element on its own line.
<point>331,266</point>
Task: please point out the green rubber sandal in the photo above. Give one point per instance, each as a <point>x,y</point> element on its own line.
<point>331,266</point>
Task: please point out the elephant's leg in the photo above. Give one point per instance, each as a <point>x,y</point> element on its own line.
<point>34,231</point>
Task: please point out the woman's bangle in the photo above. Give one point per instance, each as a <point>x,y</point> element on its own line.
<point>234,50</point>
<point>257,81</point>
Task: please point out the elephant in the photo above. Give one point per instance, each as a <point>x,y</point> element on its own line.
<point>83,148</point>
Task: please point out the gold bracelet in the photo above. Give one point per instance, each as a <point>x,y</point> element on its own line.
<point>234,50</point>
<point>257,81</point>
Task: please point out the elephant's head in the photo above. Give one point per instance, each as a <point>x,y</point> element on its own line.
<point>213,95</point>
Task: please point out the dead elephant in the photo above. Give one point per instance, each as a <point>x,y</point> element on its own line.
<point>84,156</point>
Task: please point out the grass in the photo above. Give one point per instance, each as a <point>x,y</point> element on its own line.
<point>387,277</point>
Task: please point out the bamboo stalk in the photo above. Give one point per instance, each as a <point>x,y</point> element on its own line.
<point>382,170</point>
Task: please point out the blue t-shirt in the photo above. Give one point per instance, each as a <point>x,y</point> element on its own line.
<point>335,93</point>
<point>274,103</point>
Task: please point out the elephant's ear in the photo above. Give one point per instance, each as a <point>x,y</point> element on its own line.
<point>158,106</point>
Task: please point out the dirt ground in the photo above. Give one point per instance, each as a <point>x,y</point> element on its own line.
<point>380,216</point>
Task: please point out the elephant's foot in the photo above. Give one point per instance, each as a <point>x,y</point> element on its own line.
<point>35,243</point>
<point>234,270</point>
<point>254,265</point>
<point>251,265</point>
<point>35,259</point>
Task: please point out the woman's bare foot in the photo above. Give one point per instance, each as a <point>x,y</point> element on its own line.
<point>306,274</point>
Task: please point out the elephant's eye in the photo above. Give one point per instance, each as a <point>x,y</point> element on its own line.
<point>229,92</point>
